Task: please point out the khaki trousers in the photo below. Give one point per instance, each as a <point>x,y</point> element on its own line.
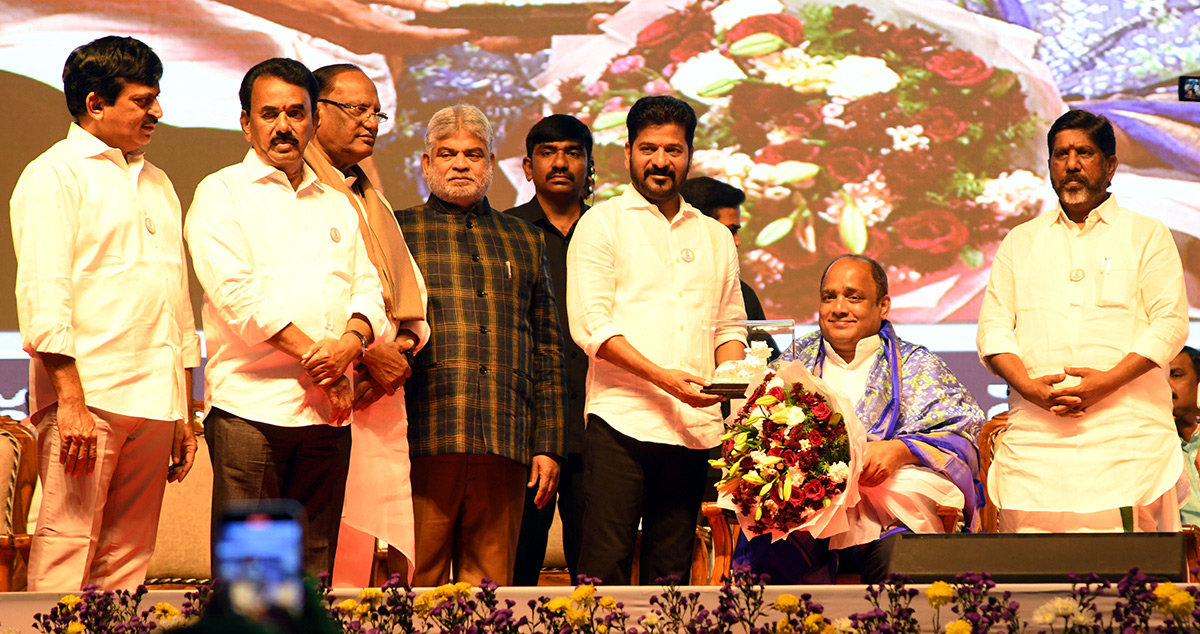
<point>100,528</point>
<point>468,517</point>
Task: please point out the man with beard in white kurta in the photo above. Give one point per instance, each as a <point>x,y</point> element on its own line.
<point>378,501</point>
<point>1083,313</point>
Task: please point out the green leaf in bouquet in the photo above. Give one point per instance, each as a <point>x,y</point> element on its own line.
<point>770,234</point>
<point>757,44</point>
<point>610,119</point>
<point>965,185</point>
<point>853,227</point>
<point>971,256</point>
<point>717,88</point>
<point>1002,82</point>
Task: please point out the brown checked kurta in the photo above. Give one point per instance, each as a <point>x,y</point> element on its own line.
<point>491,379</point>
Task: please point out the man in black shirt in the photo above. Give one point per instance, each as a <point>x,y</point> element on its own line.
<point>559,162</point>
<point>723,202</point>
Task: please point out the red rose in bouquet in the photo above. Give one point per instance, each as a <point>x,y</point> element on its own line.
<point>959,67</point>
<point>661,30</point>
<point>787,27</point>
<point>794,150</point>
<point>847,164</point>
<point>940,123</point>
<point>692,45</point>
<point>932,231</point>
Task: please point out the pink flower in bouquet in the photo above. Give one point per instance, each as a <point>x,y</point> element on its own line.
<point>627,64</point>
<point>932,231</point>
<point>821,412</point>
<point>814,490</point>
<point>940,123</point>
<point>847,164</point>
<point>658,86</point>
<point>959,67</point>
<point>597,89</point>
<point>787,27</point>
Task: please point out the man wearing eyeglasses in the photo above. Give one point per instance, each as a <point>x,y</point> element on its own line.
<point>378,499</point>
<point>486,397</point>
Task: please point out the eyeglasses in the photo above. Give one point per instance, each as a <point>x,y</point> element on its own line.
<point>361,113</point>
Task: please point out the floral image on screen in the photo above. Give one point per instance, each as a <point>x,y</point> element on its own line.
<point>848,133</point>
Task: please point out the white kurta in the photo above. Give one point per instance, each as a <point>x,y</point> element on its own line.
<point>1060,296</point>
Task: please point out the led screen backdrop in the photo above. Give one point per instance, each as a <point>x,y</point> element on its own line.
<point>910,130</point>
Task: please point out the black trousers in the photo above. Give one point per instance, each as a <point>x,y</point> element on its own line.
<point>535,525</point>
<point>627,480</point>
<point>257,461</point>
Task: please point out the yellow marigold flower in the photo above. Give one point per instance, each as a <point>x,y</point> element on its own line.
<point>1163,593</point>
<point>608,603</point>
<point>577,617</point>
<point>829,628</point>
<point>583,594</point>
<point>370,595</point>
<point>1180,605</point>
<point>784,626</point>
<point>939,593</point>
<point>76,628</point>
<point>70,602</point>
<point>164,610</point>
<point>462,589</point>
<point>813,623</point>
<point>787,603</point>
<point>348,605</point>
<point>558,604</point>
<point>601,629</point>
<point>650,620</point>
<point>958,627</point>
<point>424,603</point>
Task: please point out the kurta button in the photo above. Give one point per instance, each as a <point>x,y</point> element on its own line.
<point>483,329</point>
<point>574,395</point>
<point>481,293</point>
<point>474,257</point>
<point>470,225</point>
<point>574,355</point>
<point>483,369</point>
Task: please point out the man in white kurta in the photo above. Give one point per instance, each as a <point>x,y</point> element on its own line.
<point>102,301</point>
<point>1083,313</point>
<point>290,300</point>
<point>378,500</point>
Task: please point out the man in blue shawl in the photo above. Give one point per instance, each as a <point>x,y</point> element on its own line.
<point>915,411</point>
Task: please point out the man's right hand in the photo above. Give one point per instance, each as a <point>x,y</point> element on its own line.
<point>1038,390</point>
<point>77,438</point>
<point>685,386</point>
<point>341,397</point>
<point>388,364</point>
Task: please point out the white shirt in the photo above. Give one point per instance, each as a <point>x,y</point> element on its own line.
<point>101,278</point>
<point>850,379</point>
<point>267,256</point>
<point>1060,296</point>
<point>660,284</point>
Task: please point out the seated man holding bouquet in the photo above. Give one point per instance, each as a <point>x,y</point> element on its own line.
<point>921,426</point>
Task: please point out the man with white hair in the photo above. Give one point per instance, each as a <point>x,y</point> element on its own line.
<point>485,401</point>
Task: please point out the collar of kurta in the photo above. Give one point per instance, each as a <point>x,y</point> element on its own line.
<point>1105,212</point>
<point>633,199</point>
<point>89,145</point>
<point>257,169</point>
<point>481,208</point>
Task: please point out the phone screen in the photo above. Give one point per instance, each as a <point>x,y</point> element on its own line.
<point>259,559</point>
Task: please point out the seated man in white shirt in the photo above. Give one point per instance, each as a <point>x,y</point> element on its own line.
<point>921,427</point>
<point>290,299</point>
<point>1084,310</point>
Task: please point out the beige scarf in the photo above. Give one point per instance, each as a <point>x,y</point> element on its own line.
<point>381,234</point>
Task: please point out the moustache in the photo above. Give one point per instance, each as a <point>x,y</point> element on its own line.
<point>568,175</point>
<point>659,171</point>
<point>150,120</point>
<point>284,137</point>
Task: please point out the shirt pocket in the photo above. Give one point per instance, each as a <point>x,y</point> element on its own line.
<point>1115,289</point>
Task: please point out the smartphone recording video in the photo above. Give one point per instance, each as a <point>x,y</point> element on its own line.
<point>259,557</point>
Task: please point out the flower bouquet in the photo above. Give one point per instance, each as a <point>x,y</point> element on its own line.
<point>791,457</point>
<point>848,133</point>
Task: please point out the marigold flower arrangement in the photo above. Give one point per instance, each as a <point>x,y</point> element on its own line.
<point>846,132</point>
<point>787,457</point>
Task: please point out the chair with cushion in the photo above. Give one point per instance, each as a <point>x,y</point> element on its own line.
<point>18,475</point>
